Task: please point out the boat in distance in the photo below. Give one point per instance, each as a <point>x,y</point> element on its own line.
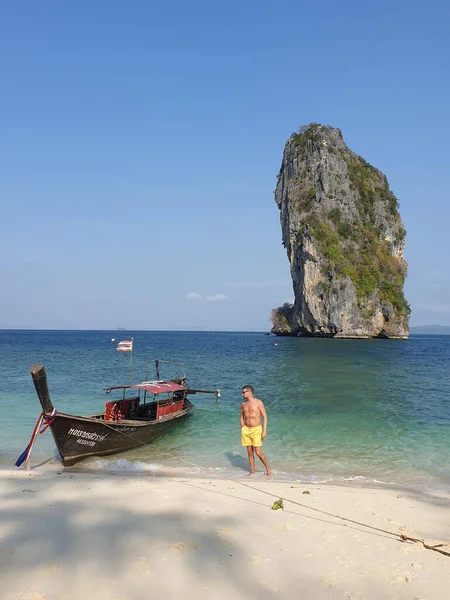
<point>142,413</point>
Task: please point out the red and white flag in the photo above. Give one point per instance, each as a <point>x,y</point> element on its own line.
<point>125,346</point>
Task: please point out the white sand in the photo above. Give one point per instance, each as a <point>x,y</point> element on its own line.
<point>136,536</point>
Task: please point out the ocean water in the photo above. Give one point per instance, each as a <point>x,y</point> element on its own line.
<point>363,411</point>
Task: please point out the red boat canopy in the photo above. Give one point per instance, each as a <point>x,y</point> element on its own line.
<point>154,387</point>
<point>159,387</point>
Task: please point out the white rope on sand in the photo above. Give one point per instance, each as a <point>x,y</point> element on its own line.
<point>402,537</point>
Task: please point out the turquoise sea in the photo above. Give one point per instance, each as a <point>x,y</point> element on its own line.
<point>339,410</point>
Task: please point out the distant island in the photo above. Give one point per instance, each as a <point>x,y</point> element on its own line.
<point>430,330</point>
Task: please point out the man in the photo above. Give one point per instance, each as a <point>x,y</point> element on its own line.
<point>252,434</point>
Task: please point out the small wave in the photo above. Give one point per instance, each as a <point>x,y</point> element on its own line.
<point>123,464</point>
<point>438,489</point>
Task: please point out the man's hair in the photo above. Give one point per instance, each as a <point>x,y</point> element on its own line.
<point>248,387</point>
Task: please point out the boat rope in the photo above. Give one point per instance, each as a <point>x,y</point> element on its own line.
<point>401,536</point>
<point>43,418</point>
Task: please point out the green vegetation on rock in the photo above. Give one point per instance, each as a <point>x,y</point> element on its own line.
<point>357,252</point>
<point>305,200</point>
<point>370,183</point>
<point>308,133</point>
<point>282,317</point>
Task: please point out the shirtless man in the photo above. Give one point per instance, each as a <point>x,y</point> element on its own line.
<point>252,434</point>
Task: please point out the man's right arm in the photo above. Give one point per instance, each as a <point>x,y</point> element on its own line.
<point>241,419</point>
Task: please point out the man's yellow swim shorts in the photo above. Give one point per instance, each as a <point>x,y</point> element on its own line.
<point>251,436</point>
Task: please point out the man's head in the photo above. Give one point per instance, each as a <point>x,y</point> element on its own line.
<point>247,391</point>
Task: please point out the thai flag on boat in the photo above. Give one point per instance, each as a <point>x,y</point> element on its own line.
<point>125,346</point>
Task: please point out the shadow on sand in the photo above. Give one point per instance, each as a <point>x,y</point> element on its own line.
<point>238,461</point>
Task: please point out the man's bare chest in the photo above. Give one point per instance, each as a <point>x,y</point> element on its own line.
<point>251,410</point>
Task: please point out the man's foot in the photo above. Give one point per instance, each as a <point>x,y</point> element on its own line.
<point>250,474</point>
<point>269,473</point>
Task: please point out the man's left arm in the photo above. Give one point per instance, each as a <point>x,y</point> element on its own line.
<point>265,419</point>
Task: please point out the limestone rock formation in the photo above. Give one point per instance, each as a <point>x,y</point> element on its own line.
<point>344,239</point>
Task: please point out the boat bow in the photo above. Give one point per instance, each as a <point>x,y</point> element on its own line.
<point>40,383</point>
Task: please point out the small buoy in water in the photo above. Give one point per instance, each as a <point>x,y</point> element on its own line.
<point>113,339</point>
<point>275,344</point>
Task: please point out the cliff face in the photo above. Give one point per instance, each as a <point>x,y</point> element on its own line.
<point>344,240</point>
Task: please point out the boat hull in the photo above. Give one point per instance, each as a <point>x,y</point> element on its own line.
<point>78,437</point>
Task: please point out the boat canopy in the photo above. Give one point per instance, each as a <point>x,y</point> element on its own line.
<point>154,387</point>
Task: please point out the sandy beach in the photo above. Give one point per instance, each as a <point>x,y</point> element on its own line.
<point>67,535</point>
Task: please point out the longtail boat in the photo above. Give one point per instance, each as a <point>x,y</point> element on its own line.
<point>142,413</point>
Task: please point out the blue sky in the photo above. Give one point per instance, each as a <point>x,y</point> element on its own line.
<point>140,144</point>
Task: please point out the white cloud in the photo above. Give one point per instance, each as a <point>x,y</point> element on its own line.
<point>217,298</point>
<point>255,284</point>
<point>211,298</point>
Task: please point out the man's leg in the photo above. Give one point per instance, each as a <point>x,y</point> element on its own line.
<point>262,458</point>
<point>251,459</point>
